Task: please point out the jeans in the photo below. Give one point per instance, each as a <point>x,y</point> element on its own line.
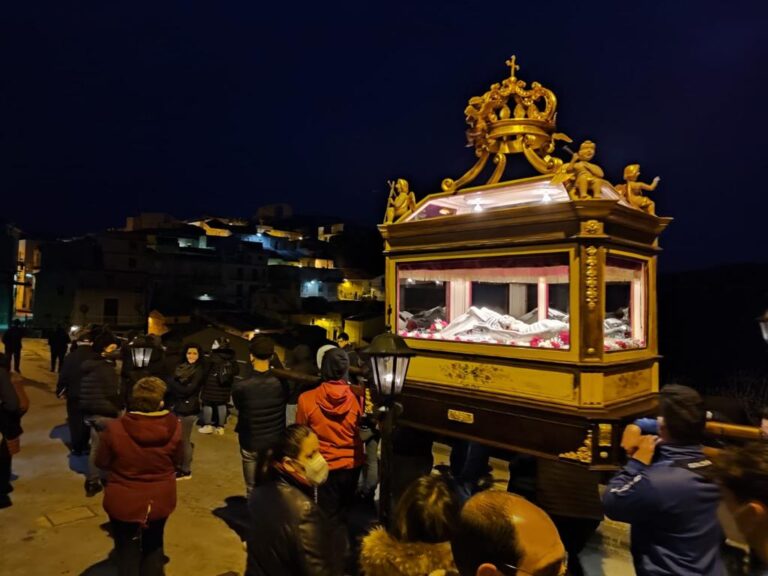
<point>469,463</point>
<point>97,425</point>
<point>221,414</point>
<point>254,464</point>
<point>187,423</point>
<point>139,552</point>
<point>290,414</point>
<point>369,479</point>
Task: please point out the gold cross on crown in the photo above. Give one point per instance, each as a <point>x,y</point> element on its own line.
<point>512,65</point>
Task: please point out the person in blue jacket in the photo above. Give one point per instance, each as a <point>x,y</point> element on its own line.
<point>665,495</point>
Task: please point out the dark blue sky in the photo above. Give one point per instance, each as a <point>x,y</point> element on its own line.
<point>218,107</point>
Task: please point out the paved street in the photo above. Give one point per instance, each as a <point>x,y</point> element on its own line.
<point>53,529</point>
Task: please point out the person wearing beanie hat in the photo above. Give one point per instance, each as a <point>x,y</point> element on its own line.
<point>141,451</point>
<point>260,398</point>
<point>333,412</point>
<point>69,386</point>
<point>665,493</point>
<point>100,399</point>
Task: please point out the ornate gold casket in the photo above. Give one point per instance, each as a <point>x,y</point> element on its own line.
<point>531,303</point>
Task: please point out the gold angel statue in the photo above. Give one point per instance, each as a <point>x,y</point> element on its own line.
<point>580,176</point>
<point>401,200</point>
<point>632,190</point>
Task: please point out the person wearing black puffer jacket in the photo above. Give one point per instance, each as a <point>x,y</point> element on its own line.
<point>222,369</point>
<point>260,400</point>
<point>289,533</point>
<point>69,385</point>
<point>100,399</point>
<point>184,387</point>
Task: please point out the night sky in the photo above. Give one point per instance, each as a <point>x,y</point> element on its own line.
<point>111,108</point>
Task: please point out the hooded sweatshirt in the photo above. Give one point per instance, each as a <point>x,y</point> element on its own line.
<point>141,452</point>
<point>333,412</point>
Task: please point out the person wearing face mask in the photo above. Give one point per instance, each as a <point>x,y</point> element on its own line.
<point>289,533</point>
<point>184,390</point>
<point>100,399</point>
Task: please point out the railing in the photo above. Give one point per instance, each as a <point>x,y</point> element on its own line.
<point>733,431</point>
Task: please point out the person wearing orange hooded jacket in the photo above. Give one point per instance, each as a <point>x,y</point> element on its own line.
<point>333,413</point>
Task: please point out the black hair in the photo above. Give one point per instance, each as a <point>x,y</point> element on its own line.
<point>684,415</point>
<point>187,347</point>
<point>428,511</point>
<point>288,446</point>
<point>261,347</point>
<point>103,340</point>
<point>290,442</point>
<point>343,336</point>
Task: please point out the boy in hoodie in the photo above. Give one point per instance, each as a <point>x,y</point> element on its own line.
<point>141,450</point>
<point>333,413</point>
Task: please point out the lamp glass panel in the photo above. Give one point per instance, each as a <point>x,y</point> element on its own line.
<point>141,356</point>
<point>401,370</point>
<point>385,371</point>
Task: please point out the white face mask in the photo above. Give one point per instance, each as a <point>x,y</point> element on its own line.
<point>316,470</point>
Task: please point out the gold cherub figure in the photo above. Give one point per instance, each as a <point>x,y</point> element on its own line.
<point>581,176</point>
<point>632,190</point>
<point>401,200</point>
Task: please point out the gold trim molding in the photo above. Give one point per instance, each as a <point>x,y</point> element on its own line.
<point>583,454</point>
<point>591,283</point>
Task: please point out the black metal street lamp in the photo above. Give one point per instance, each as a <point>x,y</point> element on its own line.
<point>390,358</point>
<point>141,349</point>
<point>763,321</point>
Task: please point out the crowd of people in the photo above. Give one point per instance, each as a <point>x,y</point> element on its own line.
<point>307,455</point>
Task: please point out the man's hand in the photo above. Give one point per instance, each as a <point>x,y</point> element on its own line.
<point>630,440</point>
<point>646,449</point>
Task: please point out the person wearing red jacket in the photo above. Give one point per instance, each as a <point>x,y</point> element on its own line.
<point>333,413</point>
<point>141,452</point>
